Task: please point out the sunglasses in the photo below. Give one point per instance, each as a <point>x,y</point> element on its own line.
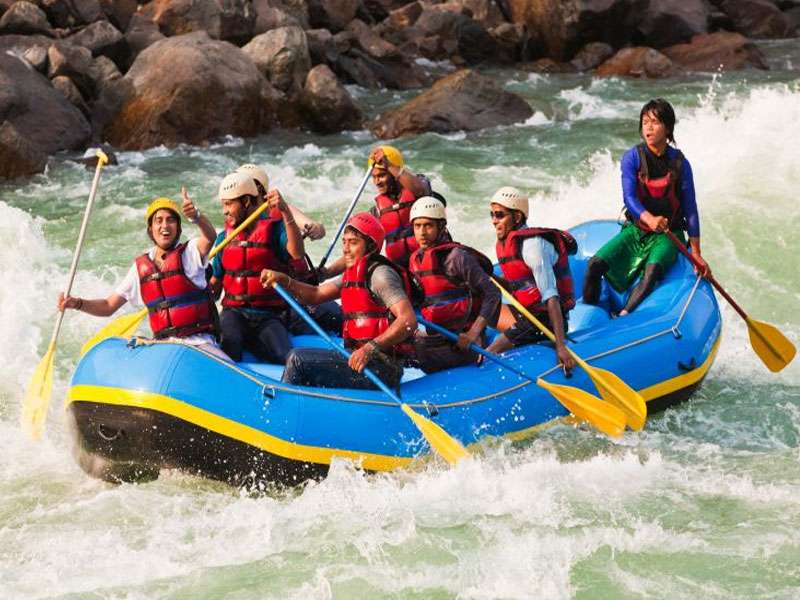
<point>498,214</point>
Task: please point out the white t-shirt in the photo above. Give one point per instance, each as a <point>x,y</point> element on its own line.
<point>540,255</point>
<point>194,267</point>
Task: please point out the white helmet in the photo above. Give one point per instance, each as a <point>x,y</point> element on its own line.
<point>257,173</point>
<point>428,207</point>
<point>512,198</point>
<point>235,185</point>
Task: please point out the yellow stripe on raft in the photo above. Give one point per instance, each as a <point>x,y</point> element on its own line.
<point>232,429</point>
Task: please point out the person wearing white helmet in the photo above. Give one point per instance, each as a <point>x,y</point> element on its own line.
<point>535,266</point>
<point>379,320</point>
<point>169,279</point>
<point>254,318</point>
<point>459,295</point>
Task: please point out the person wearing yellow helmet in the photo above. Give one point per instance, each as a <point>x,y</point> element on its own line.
<point>398,188</point>
<point>169,279</point>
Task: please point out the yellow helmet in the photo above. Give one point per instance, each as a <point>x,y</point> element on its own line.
<point>158,204</point>
<point>393,155</point>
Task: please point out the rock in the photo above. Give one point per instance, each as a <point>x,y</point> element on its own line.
<point>237,21</point>
<point>458,33</point>
<point>561,27</point>
<point>510,41</point>
<point>37,58</point>
<point>175,17</point>
<point>58,12</point>
<point>354,69</point>
<point>370,42</point>
<point>463,100</point>
<point>793,15</point>
<point>405,16</point>
<point>71,92</point>
<point>485,12</point>
<point>104,73</point>
<point>591,56</point>
<point>282,56</point>
<point>24,18</point>
<point>119,12</point>
<point>37,119</point>
<point>757,18</point>
<point>74,62</point>
<point>189,89</point>
<point>86,11</point>
<point>102,38</point>
<point>141,33</point>
<point>270,15</point>
<point>722,50</point>
<point>90,158</point>
<point>331,14</point>
<point>344,40</point>
<point>669,22</point>
<point>321,46</point>
<point>328,105</point>
<point>549,66</point>
<point>638,62</point>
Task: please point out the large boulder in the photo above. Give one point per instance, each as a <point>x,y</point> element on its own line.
<point>370,42</point>
<point>74,62</point>
<point>454,32</point>
<point>669,22</point>
<point>279,13</point>
<point>237,19</point>
<point>328,106</point>
<point>175,17</point>
<point>638,62</point>
<point>119,12</point>
<point>189,89</point>
<point>717,51</point>
<point>282,56</point>
<point>331,14</point>
<point>592,55</point>
<point>141,33</point>
<point>37,120</point>
<point>757,18</point>
<point>464,100</point>
<point>24,18</point>
<point>102,38</point>
<point>561,27</point>
<point>71,92</point>
<point>86,11</point>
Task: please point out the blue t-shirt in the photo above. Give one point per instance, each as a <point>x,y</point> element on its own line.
<point>278,243</point>
<point>630,181</point>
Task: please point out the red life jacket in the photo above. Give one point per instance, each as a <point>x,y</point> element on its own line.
<point>520,276</point>
<point>660,196</point>
<point>365,316</point>
<point>243,259</point>
<point>177,307</point>
<point>448,301</point>
<point>394,216</point>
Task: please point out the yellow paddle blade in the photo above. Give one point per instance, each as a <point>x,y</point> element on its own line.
<point>447,447</point>
<point>772,347</point>
<point>601,415</point>
<point>123,326</point>
<point>37,396</point>
<point>617,392</point>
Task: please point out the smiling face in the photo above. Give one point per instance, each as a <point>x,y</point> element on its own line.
<point>235,210</point>
<point>382,179</point>
<point>354,247</point>
<point>164,228</point>
<point>504,220</point>
<point>426,231</point>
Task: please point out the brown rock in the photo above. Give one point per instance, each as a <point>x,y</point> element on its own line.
<point>237,20</point>
<point>464,100</point>
<point>271,15</point>
<point>38,120</point>
<point>74,62</point>
<point>59,12</point>
<point>638,62</point>
<point>370,42</point>
<point>757,18</point>
<point>175,17</point>
<point>141,33</point>
<point>331,14</point>
<point>591,56</point>
<point>119,12</point>
<point>669,22</point>
<point>102,38</point>
<point>37,58</point>
<point>321,46</point>
<point>282,56</point>
<point>24,18</point>
<point>71,92</point>
<point>86,11</point>
<point>509,39</point>
<point>189,89</point>
<point>549,66</point>
<point>717,51</point>
<point>328,105</point>
<point>405,16</point>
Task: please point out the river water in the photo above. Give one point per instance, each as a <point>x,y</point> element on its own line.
<point>703,502</point>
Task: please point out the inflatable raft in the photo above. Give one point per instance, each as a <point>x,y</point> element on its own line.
<point>137,408</point>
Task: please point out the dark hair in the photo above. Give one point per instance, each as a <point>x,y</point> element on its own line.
<point>664,112</point>
<point>370,242</point>
<point>150,225</point>
<point>261,191</point>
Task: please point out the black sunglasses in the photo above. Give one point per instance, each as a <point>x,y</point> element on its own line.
<point>498,214</point>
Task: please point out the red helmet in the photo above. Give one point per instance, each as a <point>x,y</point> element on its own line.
<point>370,226</point>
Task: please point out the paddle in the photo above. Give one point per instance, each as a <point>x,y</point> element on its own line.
<point>611,387</point>
<point>447,447</point>
<point>37,395</point>
<point>603,416</point>
<point>353,203</point>
<point>125,325</point>
<point>771,346</point>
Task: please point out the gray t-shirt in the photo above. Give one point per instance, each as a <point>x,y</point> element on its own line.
<point>385,283</point>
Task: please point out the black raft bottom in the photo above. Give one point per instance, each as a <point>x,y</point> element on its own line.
<point>126,444</point>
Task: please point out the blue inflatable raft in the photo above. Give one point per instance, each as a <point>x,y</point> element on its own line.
<point>136,409</point>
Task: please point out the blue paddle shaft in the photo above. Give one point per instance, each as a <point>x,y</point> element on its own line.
<point>474,347</point>
<point>353,203</point>
<point>321,332</point>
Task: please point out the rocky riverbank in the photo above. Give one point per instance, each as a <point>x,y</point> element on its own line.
<point>136,75</point>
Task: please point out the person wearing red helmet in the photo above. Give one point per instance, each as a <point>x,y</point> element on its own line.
<point>379,319</point>
<point>169,279</point>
